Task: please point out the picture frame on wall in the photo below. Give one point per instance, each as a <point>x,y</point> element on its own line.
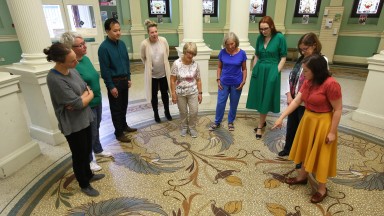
<point>362,19</point>
<point>158,7</point>
<point>258,8</point>
<point>307,7</point>
<point>160,19</point>
<point>371,8</point>
<point>107,2</point>
<point>104,15</point>
<point>210,7</point>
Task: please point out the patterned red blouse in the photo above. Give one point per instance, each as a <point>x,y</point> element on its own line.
<point>317,98</point>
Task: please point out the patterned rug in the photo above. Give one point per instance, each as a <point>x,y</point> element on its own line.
<point>217,173</point>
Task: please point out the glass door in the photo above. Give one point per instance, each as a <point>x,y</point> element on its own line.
<point>81,16</point>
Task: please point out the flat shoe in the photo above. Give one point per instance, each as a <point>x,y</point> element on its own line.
<point>283,153</point>
<point>294,181</point>
<point>318,197</point>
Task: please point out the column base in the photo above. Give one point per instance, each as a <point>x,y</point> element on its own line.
<point>51,137</point>
<point>19,158</point>
<point>368,118</point>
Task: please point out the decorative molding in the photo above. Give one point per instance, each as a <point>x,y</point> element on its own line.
<point>6,38</point>
<point>350,59</point>
<point>361,33</point>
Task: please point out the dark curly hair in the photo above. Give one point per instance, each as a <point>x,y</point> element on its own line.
<point>57,52</point>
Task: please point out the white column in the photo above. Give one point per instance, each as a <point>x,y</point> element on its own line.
<point>180,28</point>
<point>193,19</point>
<point>371,107</point>
<point>33,36</point>
<point>17,147</point>
<point>137,28</point>
<point>239,24</point>
<point>281,7</point>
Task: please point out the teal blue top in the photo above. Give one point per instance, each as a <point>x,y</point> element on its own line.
<point>91,77</point>
<point>114,61</point>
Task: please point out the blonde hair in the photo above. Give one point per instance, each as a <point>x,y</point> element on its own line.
<point>190,47</point>
<point>149,23</point>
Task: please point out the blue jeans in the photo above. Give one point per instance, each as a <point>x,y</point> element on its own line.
<point>95,125</point>
<point>222,96</point>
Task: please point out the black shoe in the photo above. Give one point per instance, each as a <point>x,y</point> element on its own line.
<point>90,191</point>
<point>123,138</point>
<point>283,153</point>
<point>168,115</point>
<point>96,177</point>
<point>157,117</point>
<point>264,125</point>
<point>129,129</point>
<point>258,136</point>
<point>298,166</point>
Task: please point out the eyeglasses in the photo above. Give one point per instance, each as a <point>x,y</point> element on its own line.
<point>81,45</point>
<point>263,29</point>
<point>304,49</point>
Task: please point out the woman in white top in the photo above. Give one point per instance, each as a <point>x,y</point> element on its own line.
<point>154,54</point>
<point>186,88</point>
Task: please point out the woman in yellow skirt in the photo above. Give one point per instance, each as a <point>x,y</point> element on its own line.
<point>315,142</point>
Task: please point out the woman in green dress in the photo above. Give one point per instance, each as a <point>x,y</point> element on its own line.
<point>270,56</point>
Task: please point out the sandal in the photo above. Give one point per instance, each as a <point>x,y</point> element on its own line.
<point>231,127</point>
<point>258,136</point>
<point>264,125</point>
<point>213,127</point>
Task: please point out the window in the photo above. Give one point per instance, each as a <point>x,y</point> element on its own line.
<point>210,7</point>
<point>158,7</point>
<point>307,7</point>
<point>371,8</point>
<point>258,8</point>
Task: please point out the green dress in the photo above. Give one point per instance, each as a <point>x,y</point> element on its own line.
<point>264,89</point>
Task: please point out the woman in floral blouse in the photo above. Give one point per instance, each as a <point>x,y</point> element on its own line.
<point>186,88</point>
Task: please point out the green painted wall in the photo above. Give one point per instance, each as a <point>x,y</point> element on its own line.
<point>5,20</point>
<point>360,46</point>
<point>214,40</point>
<point>10,51</point>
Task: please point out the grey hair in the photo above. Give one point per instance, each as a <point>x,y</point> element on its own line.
<point>190,47</point>
<point>68,38</point>
<point>149,23</point>
<point>231,36</point>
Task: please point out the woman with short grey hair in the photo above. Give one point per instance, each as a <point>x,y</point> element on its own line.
<point>186,89</point>
<point>231,77</point>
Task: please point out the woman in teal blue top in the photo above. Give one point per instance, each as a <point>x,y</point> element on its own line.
<point>264,89</point>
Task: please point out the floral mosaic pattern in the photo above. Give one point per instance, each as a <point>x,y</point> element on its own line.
<point>219,173</point>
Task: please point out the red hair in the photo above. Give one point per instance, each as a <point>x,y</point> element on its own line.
<point>269,21</point>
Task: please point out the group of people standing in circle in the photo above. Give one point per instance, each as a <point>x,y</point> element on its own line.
<point>314,98</point>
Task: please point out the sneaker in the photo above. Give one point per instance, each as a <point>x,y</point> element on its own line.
<point>183,132</point>
<point>123,138</point>
<point>104,154</point>
<point>94,166</point>
<point>96,177</point>
<point>193,133</point>
<point>90,191</point>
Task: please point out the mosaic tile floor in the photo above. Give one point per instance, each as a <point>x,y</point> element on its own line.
<point>218,173</point>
